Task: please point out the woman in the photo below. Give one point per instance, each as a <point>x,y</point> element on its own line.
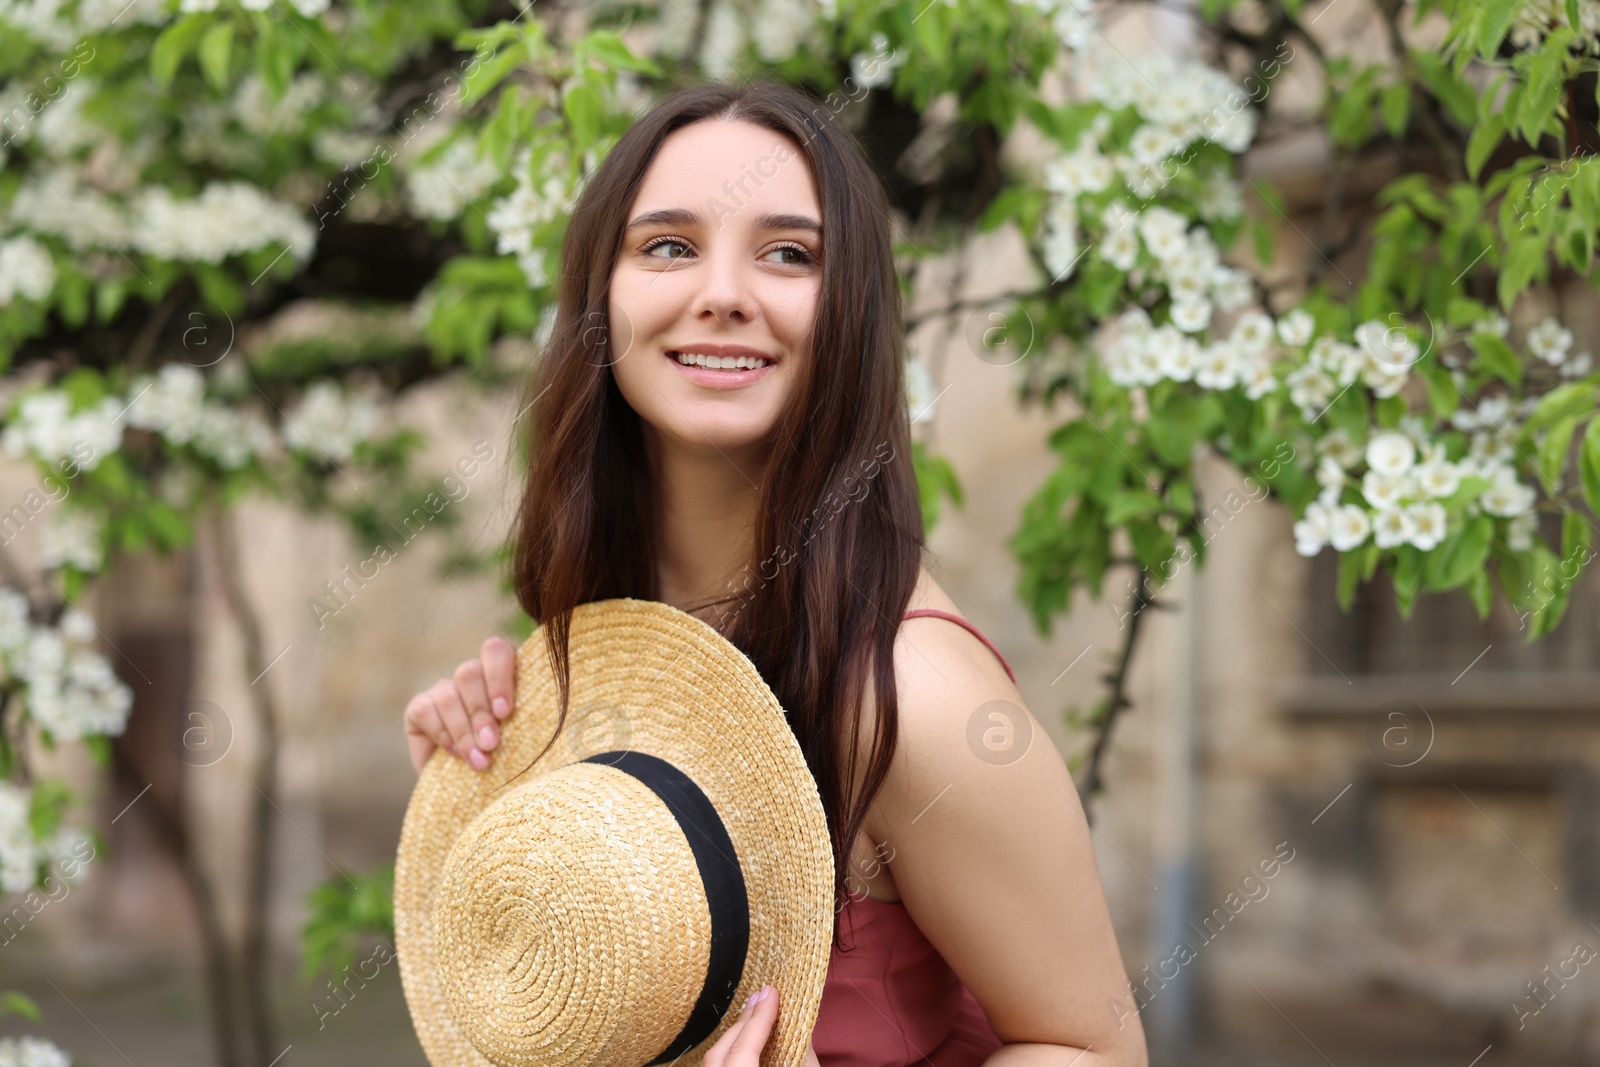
<point>769,491</point>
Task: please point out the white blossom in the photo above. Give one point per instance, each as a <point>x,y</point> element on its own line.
<point>1232,288</point>
<point>168,402</point>
<point>232,436</point>
<point>724,38</point>
<point>1391,527</point>
<point>1257,378</point>
<point>1349,527</point>
<point>1521,529</point>
<point>52,200</point>
<point>1550,341</point>
<point>1382,490</point>
<point>1295,327</point>
<point>1252,333</point>
<point>779,27</point>
<point>263,116</point>
<point>515,217</point>
<point>1390,452</point>
<point>26,270</point>
<point>1428,521</point>
<point>442,187</point>
<point>45,425</point>
<point>1506,496</point>
<point>19,859</point>
<point>1312,532</point>
<point>31,1052</point>
<point>14,624</point>
<point>227,218</point>
<point>1120,248</point>
<point>328,422</point>
<point>72,536</point>
<point>1219,366</point>
<point>1191,316</point>
<point>1060,247</point>
<point>875,68</point>
<point>1438,478</point>
<point>1577,366</point>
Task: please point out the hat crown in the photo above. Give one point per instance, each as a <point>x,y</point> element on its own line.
<point>633,864</point>
<point>559,910</point>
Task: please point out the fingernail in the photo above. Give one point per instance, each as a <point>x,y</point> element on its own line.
<point>761,994</point>
<point>501,707</point>
<point>478,760</point>
<point>486,738</point>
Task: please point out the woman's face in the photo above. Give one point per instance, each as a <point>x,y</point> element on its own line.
<point>721,256</point>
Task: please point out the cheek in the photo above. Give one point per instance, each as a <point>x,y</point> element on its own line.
<point>793,318</point>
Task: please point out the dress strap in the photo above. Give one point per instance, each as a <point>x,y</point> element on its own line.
<point>937,613</point>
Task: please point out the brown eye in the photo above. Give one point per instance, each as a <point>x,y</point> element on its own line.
<point>805,257</point>
<point>658,242</point>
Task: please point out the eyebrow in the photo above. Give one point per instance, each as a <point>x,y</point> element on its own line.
<point>677,216</point>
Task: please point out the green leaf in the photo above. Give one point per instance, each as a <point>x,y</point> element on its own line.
<point>1589,466</point>
<point>48,804</point>
<point>342,914</point>
<point>276,55</point>
<point>1496,357</point>
<point>1481,590</point>
<point>1407,578</point>
<point>609,48</point>
<point>1131,503</point>
<point>99,747</point>
<point>14,1003</point>
<point>1553,452</point>
<point>1461,554</point>
<point>1576,536</point>
<point>1395,103</point>
<point>1486,135</point>
<point>1574,398</point>
<point>583,107</point>
<point>1494,20</point>
<point>1262,241</point>
<point>1524,261</point>
<point>1468,490</point>
<point>1349,576</point>
<point>216,48</point>
<point>1447,87</point>
<point>171,46</point>
<point>1181,496</point>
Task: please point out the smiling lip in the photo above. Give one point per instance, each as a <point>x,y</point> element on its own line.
<point>721,379</point>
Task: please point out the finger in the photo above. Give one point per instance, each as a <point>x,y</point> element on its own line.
<point>500,673</point>
<point>758,1017</point>
<point>447,698</point>
<point>475,694</point>
<point>422,730</point>
<point>717,1055</point>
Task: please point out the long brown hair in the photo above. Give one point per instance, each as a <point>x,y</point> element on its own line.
<point>839,532</point>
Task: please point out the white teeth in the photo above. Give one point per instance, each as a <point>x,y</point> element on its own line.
<point>720,362</point>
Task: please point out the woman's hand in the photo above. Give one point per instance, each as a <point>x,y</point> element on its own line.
<point>741,1046</point>
<point>462,714</point>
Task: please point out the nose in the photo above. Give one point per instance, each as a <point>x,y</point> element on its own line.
<point>725,290</point>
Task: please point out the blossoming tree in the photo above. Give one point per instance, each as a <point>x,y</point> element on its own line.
<point>180,174</point>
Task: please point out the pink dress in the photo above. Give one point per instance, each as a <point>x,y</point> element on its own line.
<point>890,999</point>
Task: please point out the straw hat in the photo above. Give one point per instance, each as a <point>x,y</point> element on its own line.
<point>666,858</point>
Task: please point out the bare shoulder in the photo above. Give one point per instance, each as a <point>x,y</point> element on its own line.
<point>949,687</point>
<point>952,693</point>
<point>989,848</point>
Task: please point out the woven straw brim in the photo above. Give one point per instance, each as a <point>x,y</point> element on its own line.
<point>653,679</point>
